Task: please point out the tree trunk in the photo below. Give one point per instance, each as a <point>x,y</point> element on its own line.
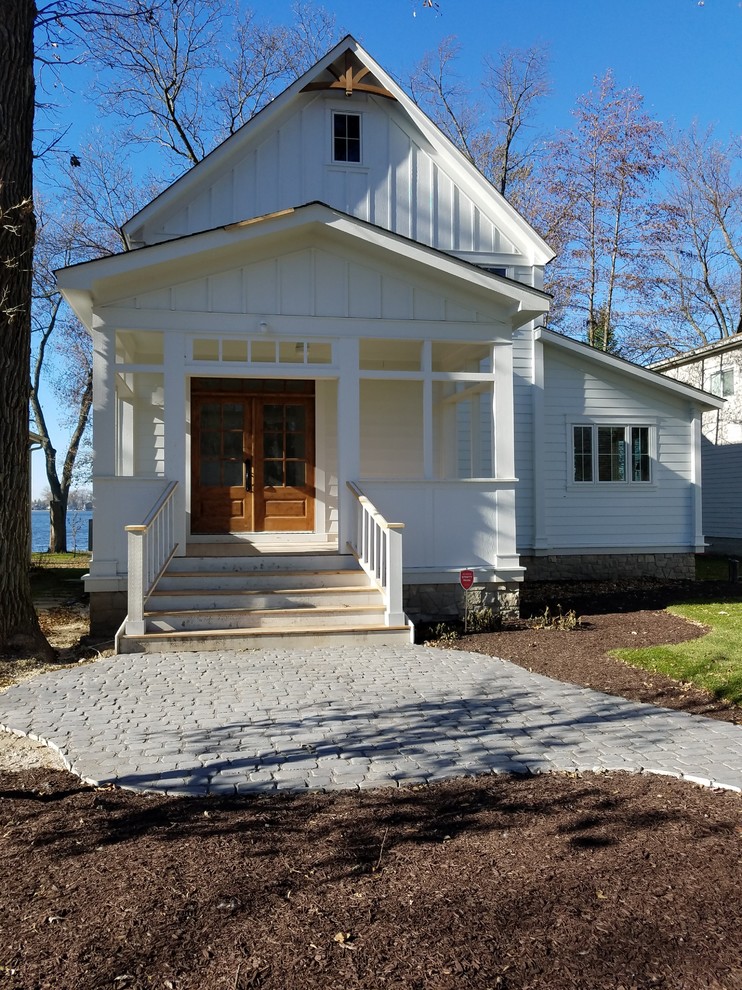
<point>19,626</point>
<point>58,526</point>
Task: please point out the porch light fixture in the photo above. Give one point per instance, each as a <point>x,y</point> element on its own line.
<point>263,326</point>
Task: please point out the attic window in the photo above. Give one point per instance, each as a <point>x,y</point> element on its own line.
<point>346,137</point>
<point>496,270</point>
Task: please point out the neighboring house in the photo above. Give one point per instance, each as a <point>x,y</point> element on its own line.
<point>330,326</point>
<point>717,368</point>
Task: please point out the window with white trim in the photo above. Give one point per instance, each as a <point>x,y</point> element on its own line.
<point>346,137</point>
<point>611,453</point>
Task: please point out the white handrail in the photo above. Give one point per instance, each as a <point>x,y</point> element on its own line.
<point>378,549</point>
<point>151,546</point>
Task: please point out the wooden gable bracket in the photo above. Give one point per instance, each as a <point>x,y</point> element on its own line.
<point>349,80</point>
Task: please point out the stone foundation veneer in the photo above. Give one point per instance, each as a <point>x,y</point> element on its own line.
<point>445,602</point>
<point>107,611</point>
<point>610,567</point>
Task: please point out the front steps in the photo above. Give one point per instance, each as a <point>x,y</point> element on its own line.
<point>239,602</point>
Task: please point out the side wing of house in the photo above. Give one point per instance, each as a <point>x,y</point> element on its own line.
<point>608,461</point>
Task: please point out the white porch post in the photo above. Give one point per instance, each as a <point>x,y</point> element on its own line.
<point>175,430</point>
<point>105,445</point>
<point>349,436</point>
<point>427,368</point>
<point>503,455</point>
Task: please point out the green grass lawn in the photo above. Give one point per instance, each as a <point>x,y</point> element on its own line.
<point>713,662</point>
<point>59,580</point>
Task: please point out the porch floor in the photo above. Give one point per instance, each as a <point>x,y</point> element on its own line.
<point>262,545</point>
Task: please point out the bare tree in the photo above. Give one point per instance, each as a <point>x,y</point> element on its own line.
<point>174,81</point>
<point>99,195</point>
<point>19,626</point>
<point>599,178</point>
<point>491,128</point>
<point>697,240</point>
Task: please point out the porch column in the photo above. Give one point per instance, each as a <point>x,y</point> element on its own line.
<point>503,455</point>
<point>175,425</point>
<point>349,436</point>
<point>105,444</point>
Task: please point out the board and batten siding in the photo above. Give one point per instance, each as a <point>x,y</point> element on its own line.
<point>609,516</point>
<point>312,282</point>
<point>401,185</point>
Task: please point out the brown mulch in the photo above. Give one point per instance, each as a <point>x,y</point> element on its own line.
<point>594,881</point>
<point>565,882</point>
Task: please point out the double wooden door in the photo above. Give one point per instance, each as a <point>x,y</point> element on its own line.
<point>253,463</point>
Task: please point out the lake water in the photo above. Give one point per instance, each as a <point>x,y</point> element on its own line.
<point>77,529</point>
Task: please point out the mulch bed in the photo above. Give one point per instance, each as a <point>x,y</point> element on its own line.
<point>564,881</point>
<point>599,881</point>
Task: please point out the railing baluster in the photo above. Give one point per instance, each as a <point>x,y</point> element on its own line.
<point>379,552</point>
<point>150,546</point>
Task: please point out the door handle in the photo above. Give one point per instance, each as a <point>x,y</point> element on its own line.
<point>248,474</point>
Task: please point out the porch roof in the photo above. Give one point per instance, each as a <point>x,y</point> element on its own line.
<point>702,399</point>
<point>95,282</point>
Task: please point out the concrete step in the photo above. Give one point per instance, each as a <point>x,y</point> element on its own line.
<point>307,637</point>
<point>207,599</point>
<point>238,581</point>
<point>348,617</point>
<point>263,563</point>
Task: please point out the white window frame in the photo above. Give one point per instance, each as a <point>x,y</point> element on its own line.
<point>721,382</point>
<point>346,113</point>
<point>628,481</point>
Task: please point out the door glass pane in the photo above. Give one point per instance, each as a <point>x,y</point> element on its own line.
<point>232,474</point>
<point>295,418</point>
<point>233,415</point>
<point>272,417</point>
<point>273,474</point>
<point>295,444</point>
<point>210,474</point>
<point>273,445</point>
<point>210,443</point>
<point>295,473</point>
<point>211,416</point>
<point>233,444</point>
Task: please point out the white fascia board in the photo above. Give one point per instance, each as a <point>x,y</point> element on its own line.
<point>700,398</point>
<point>482,192</point>
<point>111,277</point>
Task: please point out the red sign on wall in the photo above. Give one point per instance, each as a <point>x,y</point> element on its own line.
<point>467,579</point>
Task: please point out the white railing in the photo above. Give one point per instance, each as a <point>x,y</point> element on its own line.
<point>151,546</point>
<point>378,549</point>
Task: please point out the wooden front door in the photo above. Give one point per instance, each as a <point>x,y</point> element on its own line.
<point>253,463</point>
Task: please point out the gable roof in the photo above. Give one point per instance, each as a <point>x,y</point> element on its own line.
<point>91,282</point>
<point>348,68</point>
<point>698,353</point>
<point>637,371</point>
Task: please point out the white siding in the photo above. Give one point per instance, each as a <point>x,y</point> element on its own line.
<point>610,515</point>
<point>399,186</point>
<point>722,483</point>
<point>311,282</point>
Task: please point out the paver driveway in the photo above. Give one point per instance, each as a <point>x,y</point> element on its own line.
<point>230,722</point>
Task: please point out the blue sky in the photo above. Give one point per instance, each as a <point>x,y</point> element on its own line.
<point>684,56</point>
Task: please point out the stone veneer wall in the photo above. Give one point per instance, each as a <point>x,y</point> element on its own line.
<point>609,567</point>
<point>445,602</point>
<point>107,611</point>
